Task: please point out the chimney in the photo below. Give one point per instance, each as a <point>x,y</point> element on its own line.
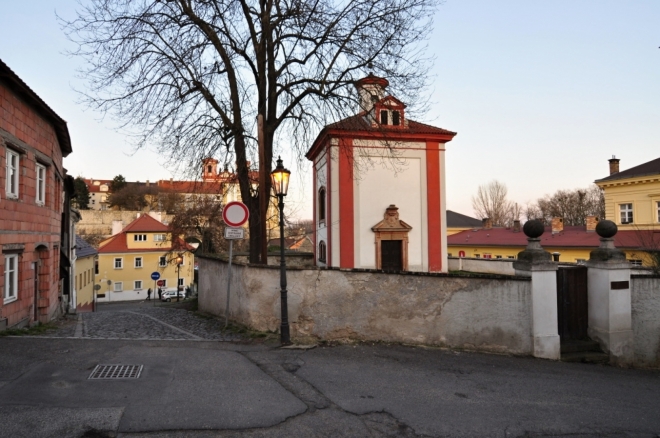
<point>516,226</point>
<point>614,165</point>
<point>117,226</point>
<point>370,89</point>
<point>487,223</point>
<point>557,225</point>
<point>592,221</point>
<point>147,183</point>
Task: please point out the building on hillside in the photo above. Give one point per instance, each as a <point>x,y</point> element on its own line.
<point>457,222</point>
<point>127,259</point>
<point>84,275</point>
<point>632,196</point>
<point>300,243</point>
<point>379,191</point>
<point>34,224</point>
<point>570,244</point>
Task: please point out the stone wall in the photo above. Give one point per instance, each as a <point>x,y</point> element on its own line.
<point>487,313</point>
<point>645,300</point>
<point>100,221</point>
<point>486,266</point>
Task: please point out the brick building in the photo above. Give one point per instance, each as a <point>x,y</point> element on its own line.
<point>33,207</point>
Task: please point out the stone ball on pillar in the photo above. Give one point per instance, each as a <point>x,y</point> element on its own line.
<point>533,229</point>
<point>606,229</point>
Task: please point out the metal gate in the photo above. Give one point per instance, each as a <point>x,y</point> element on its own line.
<point>572,302</point>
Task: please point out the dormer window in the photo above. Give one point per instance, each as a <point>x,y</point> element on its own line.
<point>396,118</point>
<point>383,117</point>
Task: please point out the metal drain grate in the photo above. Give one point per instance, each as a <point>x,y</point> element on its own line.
<point>116,372</point>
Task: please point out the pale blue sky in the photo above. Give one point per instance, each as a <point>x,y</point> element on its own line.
<point>540,93</point>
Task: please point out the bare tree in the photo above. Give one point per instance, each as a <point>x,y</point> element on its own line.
<point>491,202</point>
<point>572,205</point>
<point>228,78</point>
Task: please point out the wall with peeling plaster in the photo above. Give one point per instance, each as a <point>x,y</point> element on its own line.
<point>487,313</point>
<point>645,300</point>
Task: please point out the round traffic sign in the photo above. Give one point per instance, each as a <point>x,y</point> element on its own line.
<point>155,275</point>
<point>160,282</point>
<point>235,214</point>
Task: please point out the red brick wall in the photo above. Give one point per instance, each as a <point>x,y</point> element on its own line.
<point>22,221</point>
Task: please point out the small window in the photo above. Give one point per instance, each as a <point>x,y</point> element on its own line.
<point>510,257</point>
<point>11,278</point>
<point>383,117</point>
<point>477,256</point>
<point>488,256</point>
<point>162,261</point>
<point>209,169</point>
<point>498,256</point>
<point>11,183</point>
<point>160,237</point>
<point>181,281</point>
<point>41,184</point>
<point>164,283</point>
<point>626,211</point>
<point>139,237</point>
<point>658,209</point>
<point>138,262</point>
<point>450,255</point>
<point>322,252</point>
<point>635,262</point>
<point>396,118</point>
<point>138,284</point>
<point>580,261</point>
<point>119,286</point>
<point>119,263</point>
<point>96,267</point>
<point>322,205</point>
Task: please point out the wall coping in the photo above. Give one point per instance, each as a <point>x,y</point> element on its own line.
<point>463,274</point>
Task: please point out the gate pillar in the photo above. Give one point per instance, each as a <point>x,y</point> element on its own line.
<point>537,263</point>
<point>610,307</point>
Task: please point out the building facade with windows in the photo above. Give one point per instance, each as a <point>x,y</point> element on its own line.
<point>84,274</point>
<point>379,191</point>
<point>127,259</point>
<point>33,206</point>
<point>632,196</point>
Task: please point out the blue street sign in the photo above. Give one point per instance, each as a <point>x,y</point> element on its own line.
<point>155,275</point>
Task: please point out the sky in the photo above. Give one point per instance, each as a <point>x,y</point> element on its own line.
<point>541,94</point>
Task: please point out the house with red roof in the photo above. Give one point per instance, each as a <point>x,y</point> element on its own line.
<point>128,258</point>
<point>379,190</point>
<point>35,219</point>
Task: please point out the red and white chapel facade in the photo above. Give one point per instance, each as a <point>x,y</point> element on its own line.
<point>379,188</point>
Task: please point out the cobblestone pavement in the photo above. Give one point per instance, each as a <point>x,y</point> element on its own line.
<point>143,320</point>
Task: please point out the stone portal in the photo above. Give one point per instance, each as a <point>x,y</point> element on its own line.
<point>391,240</point>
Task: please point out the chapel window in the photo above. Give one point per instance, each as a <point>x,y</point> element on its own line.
<point>383,117</point>
<point>396,118</point>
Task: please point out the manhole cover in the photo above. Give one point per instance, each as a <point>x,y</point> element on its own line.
<point>116,372</point>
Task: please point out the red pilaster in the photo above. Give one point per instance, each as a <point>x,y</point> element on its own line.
<point>433,203</point>
<point>346,231</point>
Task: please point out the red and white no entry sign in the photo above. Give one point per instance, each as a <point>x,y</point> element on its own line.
<point>235,214</point>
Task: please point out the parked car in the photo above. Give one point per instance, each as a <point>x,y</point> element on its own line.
<point>169,295</point>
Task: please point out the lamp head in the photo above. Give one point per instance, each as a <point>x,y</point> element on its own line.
<point>280,178</point>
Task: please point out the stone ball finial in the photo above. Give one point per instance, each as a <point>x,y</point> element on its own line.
<point>534,228</point>
<point>606,229</point>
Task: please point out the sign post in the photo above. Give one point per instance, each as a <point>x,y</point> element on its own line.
<point>155,276</point>
<point>235,214</point>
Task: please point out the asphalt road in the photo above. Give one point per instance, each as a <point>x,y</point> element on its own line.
<point>196,387</point>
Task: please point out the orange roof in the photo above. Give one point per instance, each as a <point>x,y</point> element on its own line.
<point>204,187</point>
<point>145,223</point>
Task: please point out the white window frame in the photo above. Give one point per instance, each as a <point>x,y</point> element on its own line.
<point>627,210</point>
<point>118,286</point>
<point>164,283</point>
<point>137,284</point>
<point>12,171</point>
<point>138,262</point>
<point>11,278</point>
<point>657,204</point>
<point>181,281</point>
<point>121,263</point>
<point>41,184</point>
<point>160,237</point>
<point>162,261</point>
<point>635,262</point>
<point>139,238</point>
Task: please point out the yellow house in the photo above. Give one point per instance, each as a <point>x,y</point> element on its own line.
<point>84,275</point>
<point>632,197</point>
<point>128,259</point>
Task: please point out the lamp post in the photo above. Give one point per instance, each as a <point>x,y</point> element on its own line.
<point>280,179</point>
<point>179,260</point>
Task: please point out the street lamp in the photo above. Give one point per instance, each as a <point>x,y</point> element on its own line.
<point>179,260</point>
<point>280,179</point>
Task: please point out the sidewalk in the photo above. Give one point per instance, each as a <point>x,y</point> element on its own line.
<point>199,388</point>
